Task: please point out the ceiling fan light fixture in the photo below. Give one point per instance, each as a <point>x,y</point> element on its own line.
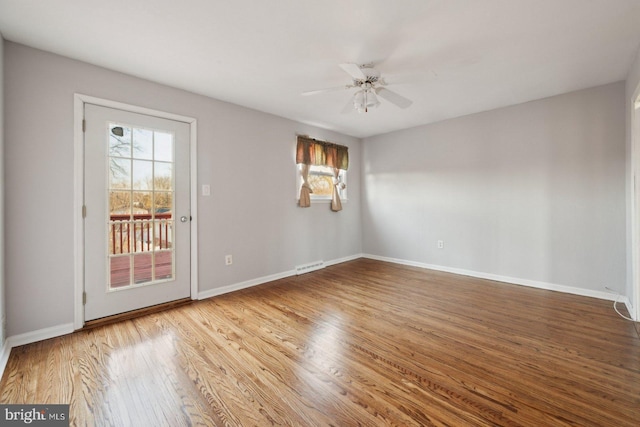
<point>365,99</point>
<point>369,85</point>
<point>359,101</point>
<point>372,99</point>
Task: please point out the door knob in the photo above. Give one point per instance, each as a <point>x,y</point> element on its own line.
<point>183,219</point>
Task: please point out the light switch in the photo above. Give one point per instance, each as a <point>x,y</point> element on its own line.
<point>206,190</point>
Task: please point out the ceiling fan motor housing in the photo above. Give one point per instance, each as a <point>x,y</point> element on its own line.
<point>372,76</point>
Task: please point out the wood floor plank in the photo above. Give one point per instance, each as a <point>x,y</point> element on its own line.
<point>360,343</point>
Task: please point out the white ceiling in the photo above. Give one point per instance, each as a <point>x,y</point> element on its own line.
<point>451,57</point>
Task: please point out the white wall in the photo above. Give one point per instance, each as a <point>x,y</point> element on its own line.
<point>632,87</point>
<point>247,156</point>
<point>533,191</point>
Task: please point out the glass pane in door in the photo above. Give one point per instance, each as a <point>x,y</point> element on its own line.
<point>141,205</point>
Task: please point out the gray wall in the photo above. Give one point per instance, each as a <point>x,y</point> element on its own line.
<point>534,191</point>
<point>252,213</point>
<point>632,83</point>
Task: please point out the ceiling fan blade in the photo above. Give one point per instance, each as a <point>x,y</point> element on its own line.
<point>354,71</point>
<point>393,97</point>
<point>329,89</point>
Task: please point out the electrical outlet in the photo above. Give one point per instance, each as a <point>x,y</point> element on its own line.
<point>228,260</point>
<point>440,244</point>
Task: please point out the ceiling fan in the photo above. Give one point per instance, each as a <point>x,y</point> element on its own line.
<point>370,85</point>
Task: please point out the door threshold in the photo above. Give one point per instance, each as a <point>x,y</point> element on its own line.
<point>136,313</point>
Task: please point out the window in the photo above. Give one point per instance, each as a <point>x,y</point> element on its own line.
<point>326,164</point>
<point>321,182</point>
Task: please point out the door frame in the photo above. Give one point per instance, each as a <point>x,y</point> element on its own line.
<point>634,128</point>
<point>79,101</point>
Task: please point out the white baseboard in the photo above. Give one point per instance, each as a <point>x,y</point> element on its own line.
<point>341,260</point>
<point>40,334</point>
<point>31,337</point>
<point>265,279</point>
<point>505,279</point>
<point>495,277</point>
<point>243,285</point>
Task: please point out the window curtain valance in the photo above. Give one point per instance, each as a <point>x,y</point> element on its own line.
<point>310,152</point>
<point>319,153</point>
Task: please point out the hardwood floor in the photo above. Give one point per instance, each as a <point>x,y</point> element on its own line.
<point>360,343</point>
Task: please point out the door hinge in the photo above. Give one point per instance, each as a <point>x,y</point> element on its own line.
<point>84,211</point>
<point>84,298</point>
<point>84,125</point>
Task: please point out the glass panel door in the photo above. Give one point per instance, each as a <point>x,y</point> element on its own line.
<point>137,181</point>
<point>141,188</point>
